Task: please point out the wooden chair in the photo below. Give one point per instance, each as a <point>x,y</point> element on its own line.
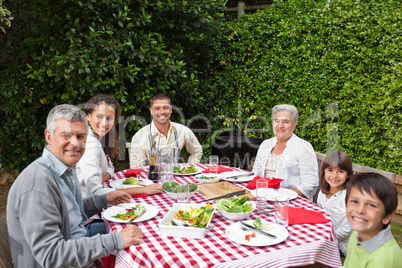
<point>128,146</point>
<point>5,254</point>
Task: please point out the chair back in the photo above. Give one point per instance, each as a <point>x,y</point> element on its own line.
<point>5,253</point>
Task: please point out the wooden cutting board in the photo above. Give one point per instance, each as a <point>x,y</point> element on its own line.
<point>211,190</point>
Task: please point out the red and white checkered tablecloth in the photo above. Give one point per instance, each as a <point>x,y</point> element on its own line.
<point>306,244</point>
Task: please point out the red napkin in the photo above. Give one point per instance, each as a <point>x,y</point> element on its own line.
<point>140,195</point>
<point>132,172</point>
<point>274,182</point>
<point>303,216</point>
<point>220,169</point>
<point>108,261</point>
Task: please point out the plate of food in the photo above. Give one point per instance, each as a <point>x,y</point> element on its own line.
<point>237,176</point>
<point>124,212</point>
<point>130,182</point>
<point>238,233</point>
<point>271,193</point>
<point>207,178</point>
<point>186,170</point>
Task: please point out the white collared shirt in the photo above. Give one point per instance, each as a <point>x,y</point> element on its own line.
<point>140,143</point>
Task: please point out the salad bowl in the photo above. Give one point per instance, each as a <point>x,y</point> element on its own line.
<point>236,209</point>
<point>170,189</point>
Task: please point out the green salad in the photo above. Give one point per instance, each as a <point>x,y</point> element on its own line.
<point>172,187</point>
<point>184,170</point>
<point>235,205</point>
<point>131,181</point>
<point>207,178</point>
<point>130,213</point>
<point>196,217</point>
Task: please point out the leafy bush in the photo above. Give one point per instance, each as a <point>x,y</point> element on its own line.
<point>66,51</point>
<point>338,62</point>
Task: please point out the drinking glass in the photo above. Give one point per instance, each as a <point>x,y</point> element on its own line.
<point>261,186</point>
<point>183,193</point>
<point>153,165</point>
<point>214,163</point>
<point>166,165</point>
<point>282,210</point>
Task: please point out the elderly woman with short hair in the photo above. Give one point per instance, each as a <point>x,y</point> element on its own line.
<point>286,156</point>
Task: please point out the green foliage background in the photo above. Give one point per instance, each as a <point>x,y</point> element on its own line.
<point>338,62</point>
<point>66,51</point>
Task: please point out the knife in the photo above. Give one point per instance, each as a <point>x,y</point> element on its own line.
<point>237,176</point>
<point>226,195</point>
<point>258,230</point>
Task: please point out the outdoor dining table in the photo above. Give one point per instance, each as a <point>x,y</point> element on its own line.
<point>305,245</point>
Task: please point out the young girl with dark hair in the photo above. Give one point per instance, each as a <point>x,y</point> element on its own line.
<point>334,174</point>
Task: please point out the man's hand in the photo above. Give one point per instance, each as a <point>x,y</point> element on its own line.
<point>132,235</point>
<point>118,197</point>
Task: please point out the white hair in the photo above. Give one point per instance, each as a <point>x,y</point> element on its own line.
<point>286,107</point>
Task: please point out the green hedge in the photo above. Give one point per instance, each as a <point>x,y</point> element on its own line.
<point>338,62</point>
<point>68,50</point>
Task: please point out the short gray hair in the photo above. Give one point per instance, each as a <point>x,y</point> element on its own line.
<point>69,112</point>
<point>286,107</point>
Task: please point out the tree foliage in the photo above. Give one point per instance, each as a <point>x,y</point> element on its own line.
<point>339,62</point>
<point>66,51</point>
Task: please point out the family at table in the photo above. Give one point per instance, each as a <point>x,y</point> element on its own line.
<point>54,206</point>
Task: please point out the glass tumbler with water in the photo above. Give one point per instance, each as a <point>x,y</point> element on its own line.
<point>214,163</point>
<point>261,193</point>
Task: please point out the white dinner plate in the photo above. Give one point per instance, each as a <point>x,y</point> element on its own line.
<point>224,176</point>
<point>118,184</point>
<point>151,212</point>
<point>271,193</point>
<point>199,170</point>
<point>235,233</point>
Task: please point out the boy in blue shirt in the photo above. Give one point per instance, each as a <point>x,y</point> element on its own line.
<point>371,201</point>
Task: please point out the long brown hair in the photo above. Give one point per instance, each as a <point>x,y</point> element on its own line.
<point>110,149</point>
<point>335,158</point>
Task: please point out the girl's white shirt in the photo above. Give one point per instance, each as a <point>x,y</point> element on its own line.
<point>335,206</point>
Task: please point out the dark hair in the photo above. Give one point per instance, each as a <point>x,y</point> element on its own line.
<point>110,149</point>
<point>335,158</point>
<point>160,96</point>
<point>374,183</point>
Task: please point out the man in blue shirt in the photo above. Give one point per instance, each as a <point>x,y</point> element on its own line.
<point>45,210</point>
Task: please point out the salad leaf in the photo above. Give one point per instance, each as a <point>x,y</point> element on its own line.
<point>259,225</point>
<point>235,205</point>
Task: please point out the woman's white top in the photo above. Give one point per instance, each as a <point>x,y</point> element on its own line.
<point>297,165</point>
<point>92,166</point>
<point>335,206</point>
<point>270,167</point>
